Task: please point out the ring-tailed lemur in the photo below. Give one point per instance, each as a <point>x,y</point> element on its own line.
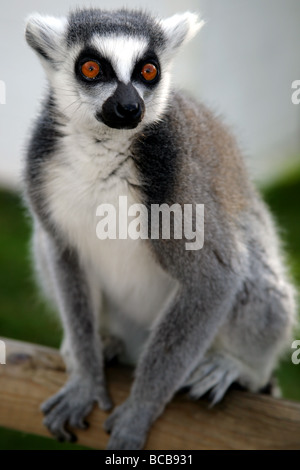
<point>112,125</point>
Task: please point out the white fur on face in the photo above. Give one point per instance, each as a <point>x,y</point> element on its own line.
<point>80,105</point>
<point>123,52</point>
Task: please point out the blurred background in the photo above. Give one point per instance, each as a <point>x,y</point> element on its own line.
<point>242,64</point>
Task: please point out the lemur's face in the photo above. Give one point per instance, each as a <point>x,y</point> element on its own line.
<point>109,69</point>
<point>118,79</point>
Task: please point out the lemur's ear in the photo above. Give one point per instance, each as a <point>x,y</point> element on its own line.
<point>44,34</point>
<point>180,28</point>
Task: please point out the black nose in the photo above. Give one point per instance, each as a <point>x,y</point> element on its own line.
<point>128,111</point>
<point>124,109</point>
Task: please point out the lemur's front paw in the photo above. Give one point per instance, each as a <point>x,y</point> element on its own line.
<point>128,426</point>
<point>70,406</point>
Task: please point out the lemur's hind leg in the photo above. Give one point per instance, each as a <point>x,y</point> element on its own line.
<point>248,346</point>
<point>218,372</point>
<point>214,374</point>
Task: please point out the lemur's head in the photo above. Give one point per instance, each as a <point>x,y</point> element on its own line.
<point>109,68</point>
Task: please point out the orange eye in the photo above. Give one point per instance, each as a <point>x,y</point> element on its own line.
<point>149,72</point>
<point>90,69</point>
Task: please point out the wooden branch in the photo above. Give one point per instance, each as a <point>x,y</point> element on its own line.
<point>242,421</point>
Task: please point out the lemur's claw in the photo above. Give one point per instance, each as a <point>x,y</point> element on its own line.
<point>70,406</point>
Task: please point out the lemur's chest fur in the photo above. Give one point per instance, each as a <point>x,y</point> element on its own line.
<point>77,182</point>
